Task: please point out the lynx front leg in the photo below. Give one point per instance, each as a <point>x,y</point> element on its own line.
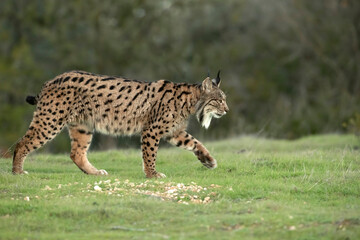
<point>188,142</point>
<point>149,146</point>
<point>81,137</point>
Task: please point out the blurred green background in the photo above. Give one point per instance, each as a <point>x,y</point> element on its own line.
<point>290,68</point>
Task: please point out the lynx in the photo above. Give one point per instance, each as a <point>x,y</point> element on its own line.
<point>85,102</point>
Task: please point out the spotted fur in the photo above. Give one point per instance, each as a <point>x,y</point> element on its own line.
<point>85,102</point>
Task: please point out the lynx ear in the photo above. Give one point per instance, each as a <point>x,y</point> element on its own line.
<point>217,80</point>
<point>207,84</point>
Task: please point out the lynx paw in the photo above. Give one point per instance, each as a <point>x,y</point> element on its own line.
<point>207,160</point>
<point>210,164</point>
<point>101,172</point>
<point>20,172</point>
<point>156,175</point>
<point>160,175</point>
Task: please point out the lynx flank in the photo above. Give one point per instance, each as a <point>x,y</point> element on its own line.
<point>85,102</point>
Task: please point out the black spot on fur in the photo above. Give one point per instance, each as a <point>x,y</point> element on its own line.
<point>89,80</point>
<point>183,93</point>
<point>108,78</point>
<point>137,95</point>
<point>162,87</point>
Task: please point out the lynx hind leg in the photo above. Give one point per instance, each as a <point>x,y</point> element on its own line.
<point>81,136</point>
<point>188,142</point>
<point>40,132</point>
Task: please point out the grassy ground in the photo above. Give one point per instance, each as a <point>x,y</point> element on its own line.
<point>268,189</point>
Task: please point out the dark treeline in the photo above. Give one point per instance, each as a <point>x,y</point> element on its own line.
<point>289,68</point>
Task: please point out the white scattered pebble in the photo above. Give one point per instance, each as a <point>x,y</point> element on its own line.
<point>97,188</point>
<point>292,228</point>
<point>186,203</point>
<point>26,198</point>
<point>172,190</point>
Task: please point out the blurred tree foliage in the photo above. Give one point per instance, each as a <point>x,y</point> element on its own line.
<point>289,68</point>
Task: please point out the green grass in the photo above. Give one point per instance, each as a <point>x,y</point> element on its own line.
<point>268,189</point>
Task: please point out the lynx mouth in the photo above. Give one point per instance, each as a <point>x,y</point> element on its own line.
<point>208,116</point>
<point>218,115</point>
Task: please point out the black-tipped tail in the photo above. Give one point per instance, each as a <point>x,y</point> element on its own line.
<point>31,100</point>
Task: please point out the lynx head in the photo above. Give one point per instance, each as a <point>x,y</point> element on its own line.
<point>212,102</point>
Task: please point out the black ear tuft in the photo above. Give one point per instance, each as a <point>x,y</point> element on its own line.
<point>217,80</point>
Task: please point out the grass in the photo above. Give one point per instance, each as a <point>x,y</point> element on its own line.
<point>262,189</point>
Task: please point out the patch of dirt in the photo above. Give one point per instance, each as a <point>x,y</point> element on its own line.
<point>170,191</point>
